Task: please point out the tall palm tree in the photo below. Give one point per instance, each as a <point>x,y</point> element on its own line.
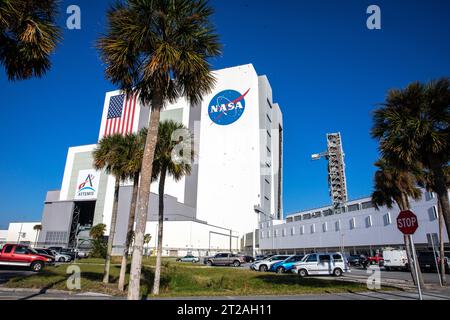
<point>394,185</point>
<point>108,156</point>
<point>413,125</point>
<point>133,151</point>
<point>175,166</point>
<point>38,229</point>
<point>158,49</point>
<point>28,36</point>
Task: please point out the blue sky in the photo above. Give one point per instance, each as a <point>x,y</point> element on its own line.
<point>327,70</point>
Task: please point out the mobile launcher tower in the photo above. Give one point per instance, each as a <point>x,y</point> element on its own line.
<point>336,170</point>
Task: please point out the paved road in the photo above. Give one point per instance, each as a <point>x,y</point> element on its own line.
<point>429,278</point>
<point>5,274</point>
<point>443,294</point>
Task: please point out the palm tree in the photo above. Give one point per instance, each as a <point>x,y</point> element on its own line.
<point>158,49</point>
<point>108,156</point>
<point>413,126</point>
<point>38,229</point>
<point>394,185</point>
<point>28,36</point>
<point>133,150</point>
<point>176,166</point>
<point>147,239</point>
<point>425,180</point>
<point>97,231</point>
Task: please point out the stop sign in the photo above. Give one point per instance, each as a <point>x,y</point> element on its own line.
<point>407,222</point>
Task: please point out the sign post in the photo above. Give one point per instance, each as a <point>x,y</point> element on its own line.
<point>407,223</point>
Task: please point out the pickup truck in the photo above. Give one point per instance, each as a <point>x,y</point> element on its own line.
<point>17,255</point>
<point>225,259</point>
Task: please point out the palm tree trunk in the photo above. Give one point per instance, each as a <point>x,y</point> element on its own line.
<point>123,267</point>
<point>441,245</point>
<point>156,282</point>
<point>112,231</point>
<point>440,184</point>
<point>404,205</point>
<point>144,198</point>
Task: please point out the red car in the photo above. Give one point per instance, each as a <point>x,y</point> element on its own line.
<point>17,255</point>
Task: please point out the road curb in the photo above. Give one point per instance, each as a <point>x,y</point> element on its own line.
<point>52,291</point>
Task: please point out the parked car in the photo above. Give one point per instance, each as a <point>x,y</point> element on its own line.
<point>322,264</point>
<point>58,257</point>
<point>189,258</point>
<point>263,257</point>
<point>354,260</point>
<point>248,259</point>
<point>286,265</point>
<point>65,251</point>
<point>264,265</point>
<point>427,261</point>
<point>225,259</point>
<point>16,255</point>
<point>395,260</point>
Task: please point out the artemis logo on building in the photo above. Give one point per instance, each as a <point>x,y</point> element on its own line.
<point>227,107</point>
<point>87,187</point>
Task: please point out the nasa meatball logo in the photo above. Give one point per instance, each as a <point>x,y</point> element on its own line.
<point>227,107</point>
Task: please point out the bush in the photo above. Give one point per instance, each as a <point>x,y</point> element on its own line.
<point>99,248</point>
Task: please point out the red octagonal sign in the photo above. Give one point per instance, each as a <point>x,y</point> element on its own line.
<point>407,222</point>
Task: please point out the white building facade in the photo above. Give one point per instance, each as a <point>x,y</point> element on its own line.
<point>21,232</point>
<point>359,229</point>
<point>238,132</point>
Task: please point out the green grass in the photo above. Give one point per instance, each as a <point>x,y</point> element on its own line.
<point>180,279</point>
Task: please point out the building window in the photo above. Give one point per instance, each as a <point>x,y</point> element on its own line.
<point>352,223</point>
<point>270,105</point>
<point>387,219</point>
<point>302,230</point>
<point>268,165</point>
<point>307,216</point>
<point>433,213</point>
<point>368,221</point>
<point>353,207</point>
<point>262,235</point>
<point>298,218</point>
<point>268,133</point>
<point>289,220</point>
<point>337,225</point>
<point>366,205</point>
<point>283,233</point>
<point>268,234</point>
<point>268,118</point>
<point>292,231</point>
<point>325,227</point>
<point>267,181</point>
<point>429,196</point>
<point>313,228</point>
<point>317,214</point>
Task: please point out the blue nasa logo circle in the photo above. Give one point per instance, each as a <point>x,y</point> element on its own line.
<point>227,107</point>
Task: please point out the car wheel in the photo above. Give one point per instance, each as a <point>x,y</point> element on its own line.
<point>280,270</point>
<point>61,259</point>
<point>37,266</point>
<point>209,264</point>
<point>236,264</point>
<point>263,268</point>
<point>302,273</point>
<point>337,272</point>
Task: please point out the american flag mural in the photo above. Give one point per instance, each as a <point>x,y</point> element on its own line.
<point>120,117</point>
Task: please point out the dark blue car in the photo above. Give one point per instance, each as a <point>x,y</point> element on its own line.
<point>286,265</point>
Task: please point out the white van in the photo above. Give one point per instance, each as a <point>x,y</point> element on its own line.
<point>322,264</point>
<point>395,259</point>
